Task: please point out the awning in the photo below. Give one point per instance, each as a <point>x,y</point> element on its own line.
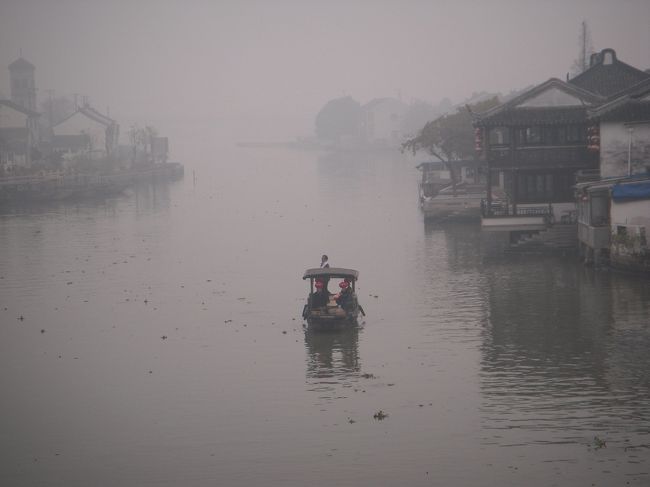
<point>631,191</point>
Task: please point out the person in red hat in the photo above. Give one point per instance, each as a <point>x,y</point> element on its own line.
<point>344,298</point>
<point>321,297</point>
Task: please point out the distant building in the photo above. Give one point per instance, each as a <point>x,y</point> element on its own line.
<point>23,96</point>
<point>17,140</point>
<point>87,133</point>
<point>383,121</point>
<point>23,84</point>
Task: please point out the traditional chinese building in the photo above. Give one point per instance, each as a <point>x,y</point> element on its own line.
<point>539,144</point>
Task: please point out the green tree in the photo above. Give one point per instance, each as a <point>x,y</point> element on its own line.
<point>339,117</point>
<point>450,137</point>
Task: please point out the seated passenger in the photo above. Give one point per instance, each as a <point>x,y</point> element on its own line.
<point>344,298</point>
<point>321,297</point>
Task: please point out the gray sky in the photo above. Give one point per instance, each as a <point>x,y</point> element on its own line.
<point>267,67</point>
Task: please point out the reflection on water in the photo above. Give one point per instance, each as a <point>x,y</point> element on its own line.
<point>564,360</point>
<point>332,354</point>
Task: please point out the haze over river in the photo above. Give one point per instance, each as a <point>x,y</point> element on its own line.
<point>162,343</point>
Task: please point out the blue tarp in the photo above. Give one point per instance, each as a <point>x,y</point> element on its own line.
<point>631,191</point>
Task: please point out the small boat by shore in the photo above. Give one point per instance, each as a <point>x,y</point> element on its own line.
<point>325,311</point>
<point>460,203</point>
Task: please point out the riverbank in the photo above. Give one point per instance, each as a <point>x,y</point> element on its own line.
<point>57,186</point>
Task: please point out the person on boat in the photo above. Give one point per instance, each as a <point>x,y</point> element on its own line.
<point>324,263</point>
<point>344,298</point>
<point>321,297</point>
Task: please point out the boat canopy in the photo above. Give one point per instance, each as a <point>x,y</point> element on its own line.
<point>335,272</point>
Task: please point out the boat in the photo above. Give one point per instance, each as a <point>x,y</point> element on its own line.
<point>435,176</point>
<point>322,311</point>
<point>462,202</point>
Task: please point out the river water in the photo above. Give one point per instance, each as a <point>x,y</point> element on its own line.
<point>161,341</point>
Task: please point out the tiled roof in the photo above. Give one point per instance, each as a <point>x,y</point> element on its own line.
<point>608,79</point>
<point>632,106</point>
<point>92,114</point>
<point>19,108</point>
<point>95,115</point>
<point>21,63</point>
<point>511,113</point>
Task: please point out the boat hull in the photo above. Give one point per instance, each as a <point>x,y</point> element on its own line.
<point>331,318</point>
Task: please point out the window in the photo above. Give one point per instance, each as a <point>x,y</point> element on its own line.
<point>530,135</point>
<point>555,135</point>
<point>599,209</point>
<point>576,133</point>
<point>499,136</point>
<point>608,57</point>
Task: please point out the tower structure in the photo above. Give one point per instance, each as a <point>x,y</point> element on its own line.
<point>23,85</point>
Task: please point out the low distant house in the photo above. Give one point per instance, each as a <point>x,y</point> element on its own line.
<point>87,133</point>
<point>614,209</point>
<point>383,120</point>
<point>17,138</point>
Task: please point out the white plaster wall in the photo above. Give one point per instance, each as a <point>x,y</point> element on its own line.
<point>10,118</point>
<point>614,141</point>
<point>631,213</point>
<point>553,97</point>
<point>79,123</point>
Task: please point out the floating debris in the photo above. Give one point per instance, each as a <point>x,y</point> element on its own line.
<point>368,376</point>
<point>599,443</point>
<point>380,415</point>
<point>164,337</point>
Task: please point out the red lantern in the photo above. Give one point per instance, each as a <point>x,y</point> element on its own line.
<point>593,138</point>
<point>478,139</point>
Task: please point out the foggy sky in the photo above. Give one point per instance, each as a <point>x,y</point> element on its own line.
<point>265,68</point>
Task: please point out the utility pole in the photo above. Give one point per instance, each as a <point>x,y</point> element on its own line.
<point>630,131</point>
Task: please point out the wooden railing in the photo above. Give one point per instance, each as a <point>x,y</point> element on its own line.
<point>504,209</point>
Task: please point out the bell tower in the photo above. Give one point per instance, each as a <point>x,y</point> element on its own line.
<point>23,86</point>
